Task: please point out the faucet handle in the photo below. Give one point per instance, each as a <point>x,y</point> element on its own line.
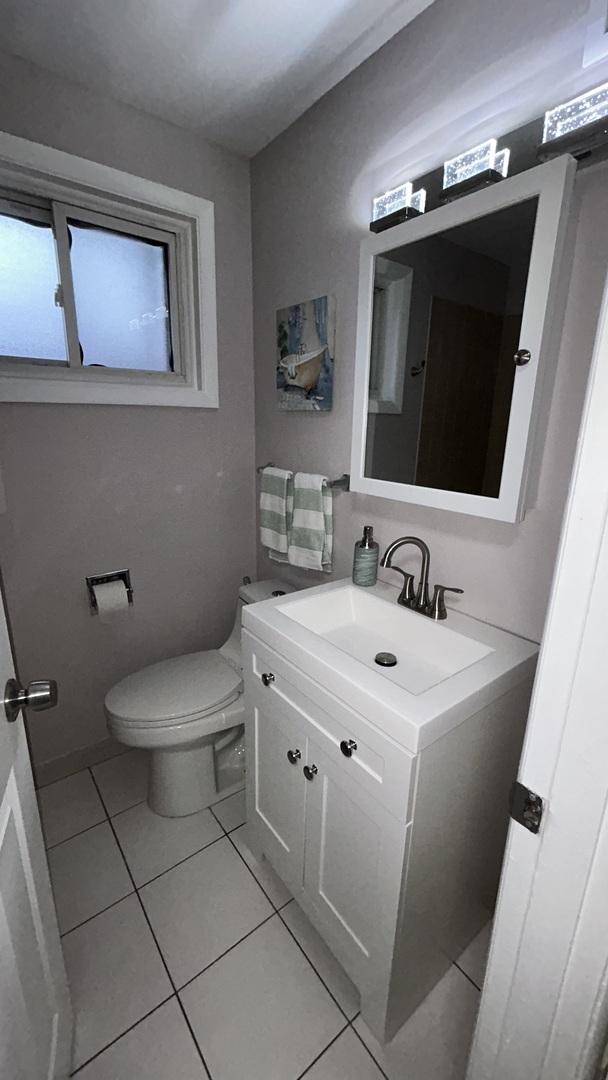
<point>437,609</point>
<point>407,595</point>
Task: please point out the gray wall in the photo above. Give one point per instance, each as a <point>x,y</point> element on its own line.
<point>461,72</point>
<point>166,492</point>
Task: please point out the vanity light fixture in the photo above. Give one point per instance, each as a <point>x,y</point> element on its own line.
<point>397,205</point>
<point>477,167</point>
<point>577,126</point>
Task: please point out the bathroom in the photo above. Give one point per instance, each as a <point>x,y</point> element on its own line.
<point>172,493</point>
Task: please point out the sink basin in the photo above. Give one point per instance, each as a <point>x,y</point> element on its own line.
<point>332,633</point>
<point>362,624</point>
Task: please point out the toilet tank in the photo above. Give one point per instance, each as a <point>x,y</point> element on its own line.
<point>251,593</point>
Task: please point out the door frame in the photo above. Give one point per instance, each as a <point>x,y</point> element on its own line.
<point>544,1008</point>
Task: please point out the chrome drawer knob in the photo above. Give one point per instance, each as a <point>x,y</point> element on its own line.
<point>310,771</point>
<point>267,678</point>
<point>347,746</point>
<point>37,695</point>
<point>294,756</point>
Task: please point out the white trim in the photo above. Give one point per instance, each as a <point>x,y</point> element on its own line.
<point>552,183</point>
<point>65,178</point>
<point>544,1008</point>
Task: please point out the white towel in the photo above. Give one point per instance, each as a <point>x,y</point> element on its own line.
<point>276,508</point>
<point>311,533</point>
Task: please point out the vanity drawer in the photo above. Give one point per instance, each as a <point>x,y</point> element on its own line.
<point>378,764</point>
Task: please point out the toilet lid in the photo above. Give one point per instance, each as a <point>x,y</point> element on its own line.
<point>176,688</point>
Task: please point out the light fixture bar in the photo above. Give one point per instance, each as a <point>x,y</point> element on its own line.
<point>577,113</point>
<point>391,201</point>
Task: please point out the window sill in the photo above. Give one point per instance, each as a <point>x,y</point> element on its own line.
<point>76,392</point>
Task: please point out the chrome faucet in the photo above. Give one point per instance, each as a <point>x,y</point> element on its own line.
<point>409,597</point>
<point>418,599</point>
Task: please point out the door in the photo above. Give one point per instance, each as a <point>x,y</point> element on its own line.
<point>35,1010</point>
<point>544,1009</point>
<point>352,871</point>
<point>277,795</point>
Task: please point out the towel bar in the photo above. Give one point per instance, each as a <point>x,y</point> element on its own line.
<point>341,484</point>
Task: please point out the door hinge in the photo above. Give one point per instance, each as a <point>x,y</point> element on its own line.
<point>526,807</point>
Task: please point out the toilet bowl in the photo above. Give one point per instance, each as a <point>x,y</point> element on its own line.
<point>179,709</point>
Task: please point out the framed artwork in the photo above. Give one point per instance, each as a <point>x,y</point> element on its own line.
<point>306,335</point>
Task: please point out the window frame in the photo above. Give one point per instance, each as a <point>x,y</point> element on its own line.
<point>40,182</point>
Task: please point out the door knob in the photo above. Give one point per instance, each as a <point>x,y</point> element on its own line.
<point>294,756</point>
<point>39,694</point>
<point>347,746</point>
<point>310,771</point>
<point>267,678</point>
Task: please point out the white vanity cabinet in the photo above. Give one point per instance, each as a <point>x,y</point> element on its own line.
<point>338,848</point>
<point>392,850</point>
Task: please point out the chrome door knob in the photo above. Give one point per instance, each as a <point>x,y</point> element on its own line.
<point>38,695</point>
<point>310,771</point>
<point>347,746</point>
<point>267,678</point>
<point>294,756</point>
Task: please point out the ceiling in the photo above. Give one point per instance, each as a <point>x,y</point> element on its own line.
<point>236,71</point>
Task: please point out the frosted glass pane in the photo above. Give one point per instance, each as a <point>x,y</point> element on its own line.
<point>122,302</point>
<point>30,324</point>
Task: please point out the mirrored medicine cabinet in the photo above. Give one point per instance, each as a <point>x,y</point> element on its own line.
<point>454,314</point>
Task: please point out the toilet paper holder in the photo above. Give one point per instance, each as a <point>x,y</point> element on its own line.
<point>101,579</point>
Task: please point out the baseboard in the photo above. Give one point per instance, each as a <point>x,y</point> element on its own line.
<point>58,768</point>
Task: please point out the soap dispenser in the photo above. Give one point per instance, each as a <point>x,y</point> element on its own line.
<point>365,562</point>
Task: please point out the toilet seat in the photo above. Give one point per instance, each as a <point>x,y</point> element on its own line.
<point>175,691</point>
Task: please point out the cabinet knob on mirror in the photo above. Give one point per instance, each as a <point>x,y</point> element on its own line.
<point>310,771</point>
<point>37,695</point>
<point>347,746</point>
<point>294,756</point>
<point>267,678</point>
<point>522,356</point>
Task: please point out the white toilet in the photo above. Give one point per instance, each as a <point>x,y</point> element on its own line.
<point>180,709</point>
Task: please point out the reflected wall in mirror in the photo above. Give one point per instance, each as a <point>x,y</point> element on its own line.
<point>446,320</point>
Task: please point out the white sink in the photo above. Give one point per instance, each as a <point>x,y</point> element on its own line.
<point>362,623</point>
<point>332,634</point>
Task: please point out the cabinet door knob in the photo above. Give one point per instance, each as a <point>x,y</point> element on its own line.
<point>347,747</point>
<point>310,771</point>
<point>267,678</point>
<point>294,756</point>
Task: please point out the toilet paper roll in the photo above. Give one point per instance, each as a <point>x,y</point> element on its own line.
<point>112,599</point>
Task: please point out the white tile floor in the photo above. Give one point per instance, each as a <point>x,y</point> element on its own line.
<point>188,959</point>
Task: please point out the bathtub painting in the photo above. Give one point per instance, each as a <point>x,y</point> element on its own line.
<point>306,335</point>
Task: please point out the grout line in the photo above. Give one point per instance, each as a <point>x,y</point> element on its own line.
<point>180,862</point>
<point>154,938</point>
<point>325,1049</point>
<point>466,975</point>
<point>366,1047</point>
<point>100,912</point>
<point>226,951</point>
<point>320,977</point>
<point>245,863</point>
<point>126,809</point>
<point>74,772</point>
<point>51,847</point>
<point>226,797</point>
<point>125,1032</point>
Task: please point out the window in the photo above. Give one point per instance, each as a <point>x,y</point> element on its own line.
<point>104,297</point>
<point>85,290</point>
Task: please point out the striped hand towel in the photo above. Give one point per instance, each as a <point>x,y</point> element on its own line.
<point>311,534</point>
<point>276,508</point>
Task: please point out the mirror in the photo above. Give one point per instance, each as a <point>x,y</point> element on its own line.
<point>446,321</point>
<point>445,409</point>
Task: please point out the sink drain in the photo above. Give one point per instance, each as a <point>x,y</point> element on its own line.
<point>386,659</point>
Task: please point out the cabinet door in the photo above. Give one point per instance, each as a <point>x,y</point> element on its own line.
<point>353,866</point>
<point>277,789</point>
